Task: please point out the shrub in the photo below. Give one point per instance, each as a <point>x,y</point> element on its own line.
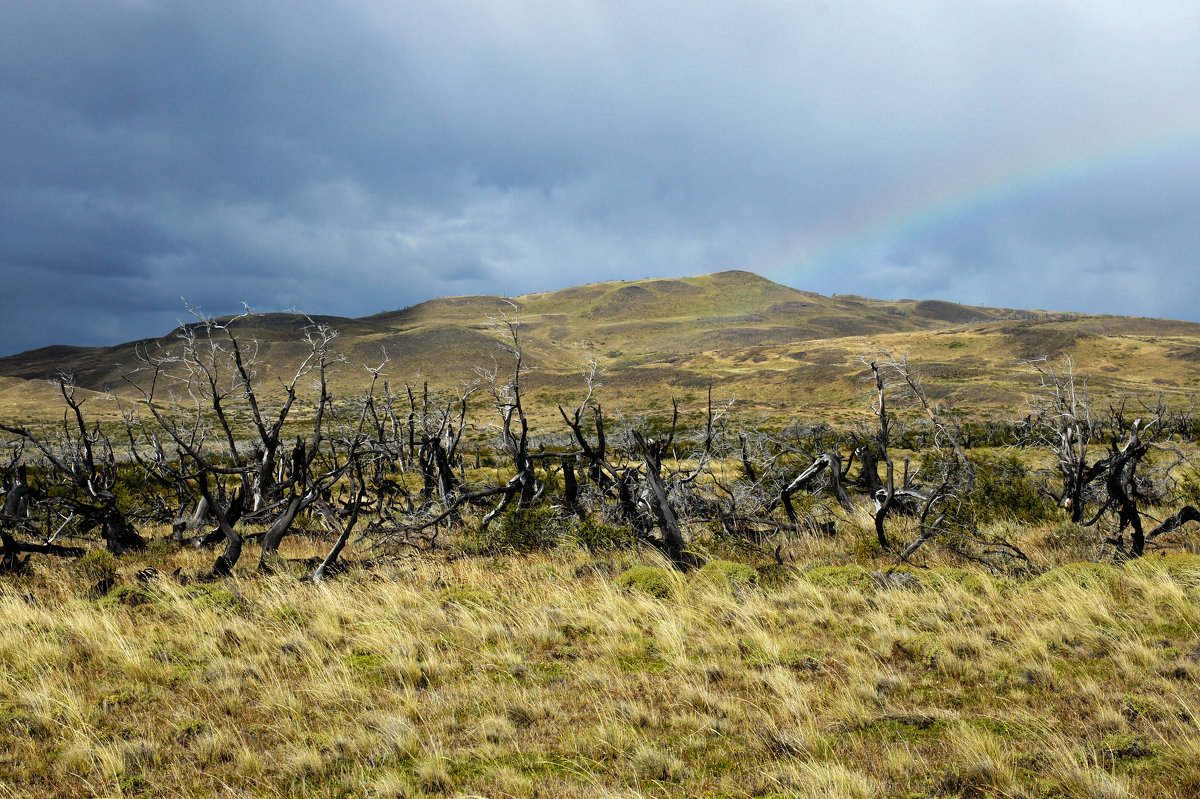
<point>599,537</point>
<point>776,575</point>
<point>219,598</point>
<point>1125,746</point>
<point>1189,487</point>
<point>135,492</point>
<point>651,580</point>
<point>99,565</point>
<point>126,596</point>
<point>1004,490</point>
<point>519,530</point>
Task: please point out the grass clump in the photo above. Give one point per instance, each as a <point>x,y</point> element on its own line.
<point>1181,567</point>
<point>468,596</point>
<point>727,573</point>
<point>850,578</point>
<point>653,580</point>
<point>1082,575</point>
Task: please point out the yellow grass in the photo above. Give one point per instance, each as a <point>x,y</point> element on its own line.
<point>538,676</point>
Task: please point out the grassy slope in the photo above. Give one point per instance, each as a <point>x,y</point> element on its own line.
<point>539,677</point>
<point>778,349</point>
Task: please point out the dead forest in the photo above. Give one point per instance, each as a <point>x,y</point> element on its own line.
<point>231,461</point>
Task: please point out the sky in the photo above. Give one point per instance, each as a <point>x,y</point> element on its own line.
<point>351,158</point>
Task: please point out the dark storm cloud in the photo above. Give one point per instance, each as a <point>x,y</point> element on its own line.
<point>349,158</point>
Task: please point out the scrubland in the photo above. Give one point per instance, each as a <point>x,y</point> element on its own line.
<point>555,653</point>
<point>569,673</point>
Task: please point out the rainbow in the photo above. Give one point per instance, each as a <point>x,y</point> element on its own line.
<point>974,194</point>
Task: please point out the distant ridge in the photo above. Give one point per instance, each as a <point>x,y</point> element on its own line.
<point>670,337</point>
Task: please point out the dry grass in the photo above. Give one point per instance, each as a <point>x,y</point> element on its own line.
<point>539,677</point>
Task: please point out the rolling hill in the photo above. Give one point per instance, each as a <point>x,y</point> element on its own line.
<point>777,349</point>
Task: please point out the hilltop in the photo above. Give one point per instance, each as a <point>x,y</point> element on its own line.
<point>774,347</point>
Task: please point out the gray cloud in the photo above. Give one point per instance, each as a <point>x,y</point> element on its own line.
<point>351,158</point>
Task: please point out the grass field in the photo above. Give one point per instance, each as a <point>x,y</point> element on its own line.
<point>562,675</point>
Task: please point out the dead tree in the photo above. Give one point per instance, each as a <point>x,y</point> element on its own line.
<point>79,459</point>
<point>652,452</point>
<point>16,518</point>
<point>593,454</point>
<point>508,396</point>
<point>1172,523</point>
<point>883,504</point>
<point>830,461</point>
<point>195,396</point>
<point>350,458</point>
<point>1063,421</point>
<point>441,423</point>
<point>318,465</point>
<point>935,505</point>
<point>214,371</point>
<point>1120,482</point>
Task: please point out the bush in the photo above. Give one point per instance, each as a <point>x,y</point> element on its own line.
<point>99,565</point>
<point>1189,487</point>
<point>599,537</point>
<point>519,530</point>
<point>135,492</point>
<point>776,575</point>
<point>652,580</point>
<point>1004,490</point>
<point>126,596</point>
<point>219,598</point>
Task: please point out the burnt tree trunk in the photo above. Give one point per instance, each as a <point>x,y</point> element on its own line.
<point>571,486</point>
<point>223,566</point>
<point>1173,523</point>
<point>1118,480</point>
<point>881,511</point>
<point>868,475</point>
<point>672,536</point>
<point>118,534</point>
<point>280,527</point>
<point>331,518</point>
